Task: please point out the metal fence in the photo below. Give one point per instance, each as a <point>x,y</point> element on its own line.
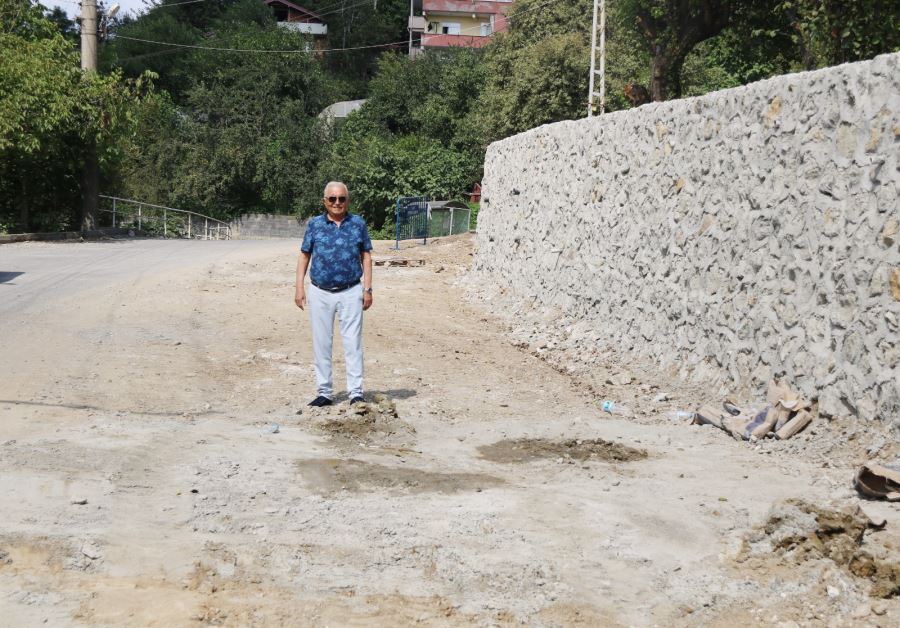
<point>412,219</point>
<point>161,221</point>
<point>446,221</point>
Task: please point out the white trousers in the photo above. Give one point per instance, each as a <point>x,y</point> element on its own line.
<point>323,305</point>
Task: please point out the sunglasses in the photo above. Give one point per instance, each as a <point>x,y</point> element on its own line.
<point>336,199</point>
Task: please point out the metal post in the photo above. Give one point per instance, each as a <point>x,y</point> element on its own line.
<point>602,56</point>
<point>165,223</point>
<point>206,228</point>
<point>190,220</point>
<point>114,213</point>
<point>397,222</point>
<point>451,221</point>
<point>139,216</point>
<point>593,50</point>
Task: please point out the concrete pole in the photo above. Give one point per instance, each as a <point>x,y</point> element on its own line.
<point>89,35</point>
<point>410,29</point>
<point>90,187</point>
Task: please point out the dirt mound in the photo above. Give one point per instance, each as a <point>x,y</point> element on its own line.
<point>527,449</point>
<point>331,475</point>
<point>367,423</point>
<point>798,531</point>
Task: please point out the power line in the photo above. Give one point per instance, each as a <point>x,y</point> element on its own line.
<point>292,51</point>
<point>301,51</point>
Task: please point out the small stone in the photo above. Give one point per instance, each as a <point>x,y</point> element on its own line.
<point>661,397</point>
<point>81,501</point>
<point>833,592</point>
<point>91,551</point>
<point>879,608</point>
<point>861,611</point>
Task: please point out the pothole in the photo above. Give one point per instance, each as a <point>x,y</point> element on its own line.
<point>330,475</point>
<point>527,449</point>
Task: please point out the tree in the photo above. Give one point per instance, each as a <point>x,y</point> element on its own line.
<point>49,111</point>
<point>829,32</point>
<point>243,135</point>
<point>671,29</point>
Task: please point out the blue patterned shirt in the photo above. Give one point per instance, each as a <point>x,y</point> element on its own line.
<point>336,250</point>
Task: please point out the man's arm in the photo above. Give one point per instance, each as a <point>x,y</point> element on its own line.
<point>367,278</point>
<point>300,290</point>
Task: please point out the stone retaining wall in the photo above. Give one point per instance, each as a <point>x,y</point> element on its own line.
<point>265,226</point>
<point>741,235</point>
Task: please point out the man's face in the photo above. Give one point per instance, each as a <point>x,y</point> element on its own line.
<point>336,200</point>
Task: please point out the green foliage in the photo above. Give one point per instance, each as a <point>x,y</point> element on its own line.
<point>410,137</point>
<point>536,72</point>
<point>829,32</point>
<point>246,134</point>
<point>379,168</point>
<point>49,111</point>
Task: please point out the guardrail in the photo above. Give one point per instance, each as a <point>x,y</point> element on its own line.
<point>165,221</point>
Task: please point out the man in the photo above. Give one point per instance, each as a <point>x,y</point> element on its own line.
<point>338,245</point>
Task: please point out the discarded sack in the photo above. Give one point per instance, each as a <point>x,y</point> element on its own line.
<point>879,481</point>
<point>786,414</point>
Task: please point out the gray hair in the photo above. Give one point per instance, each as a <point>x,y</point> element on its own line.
<point>335,184</point>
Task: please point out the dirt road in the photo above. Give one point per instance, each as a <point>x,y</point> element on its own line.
<point>159,466</point>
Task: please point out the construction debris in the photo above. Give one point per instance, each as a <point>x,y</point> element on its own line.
<point>879,481</point>
<point>786,414</point>
<point>398,261</point>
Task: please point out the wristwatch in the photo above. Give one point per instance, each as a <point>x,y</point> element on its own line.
<point>369,290</point>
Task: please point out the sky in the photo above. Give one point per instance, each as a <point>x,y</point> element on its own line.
<point>73,7</point>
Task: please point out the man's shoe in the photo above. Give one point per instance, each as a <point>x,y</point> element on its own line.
<point>320,401</point>
<point>356,400</point>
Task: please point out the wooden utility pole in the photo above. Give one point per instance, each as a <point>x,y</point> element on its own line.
<point>90,183</point>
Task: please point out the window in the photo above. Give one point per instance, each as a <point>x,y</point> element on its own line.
<point>450,28</point>
<point>485,29</point>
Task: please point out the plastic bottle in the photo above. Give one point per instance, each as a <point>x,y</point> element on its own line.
<point>615,408</point>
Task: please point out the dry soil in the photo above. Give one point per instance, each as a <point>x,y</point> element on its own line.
<point>159,466</point>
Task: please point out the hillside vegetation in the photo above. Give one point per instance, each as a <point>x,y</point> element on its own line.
<point>226,121</point>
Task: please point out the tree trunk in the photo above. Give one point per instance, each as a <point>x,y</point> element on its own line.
<point>660,75</point>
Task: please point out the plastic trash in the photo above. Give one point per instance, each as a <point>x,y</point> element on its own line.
<point>274,428</point>
<point>612,407</point>
<point>680,415</point>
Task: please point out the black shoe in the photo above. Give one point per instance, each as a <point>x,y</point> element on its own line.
<point>356,400</point>
<point>320,401</point>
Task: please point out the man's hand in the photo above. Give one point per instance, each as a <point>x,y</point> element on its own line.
<point>300,298</point>
<point>367,300</point>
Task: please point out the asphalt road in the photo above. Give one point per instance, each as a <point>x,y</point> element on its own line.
<point>34,274</point>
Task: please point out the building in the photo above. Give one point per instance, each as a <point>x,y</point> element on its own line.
<point>465,23</point>
<point>297,18</point>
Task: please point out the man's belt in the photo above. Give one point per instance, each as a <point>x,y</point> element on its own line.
<point>346,286</point>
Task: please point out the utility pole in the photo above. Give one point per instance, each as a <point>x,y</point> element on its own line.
<point>410,28</point>
<point>599,5</point>
<point>90,185</point>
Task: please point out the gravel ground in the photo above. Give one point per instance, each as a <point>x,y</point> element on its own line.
<point>159,466</point>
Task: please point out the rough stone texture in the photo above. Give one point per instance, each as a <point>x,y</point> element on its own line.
<point>265,226</point>
<point>741,235</point>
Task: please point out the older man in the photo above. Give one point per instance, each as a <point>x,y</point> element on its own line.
<point>338,246</point>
